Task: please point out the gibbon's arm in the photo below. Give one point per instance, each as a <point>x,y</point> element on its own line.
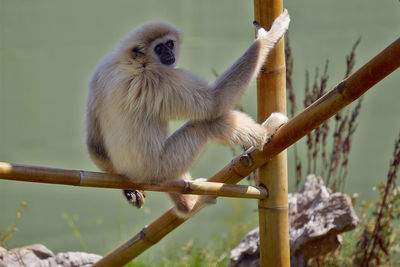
<point>199,101</point>
<point>231,85</point>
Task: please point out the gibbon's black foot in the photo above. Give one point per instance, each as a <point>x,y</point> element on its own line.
<point>135,197</point>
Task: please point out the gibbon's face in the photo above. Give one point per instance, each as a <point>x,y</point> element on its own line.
<point>154,42</point>
<point>164,50</point>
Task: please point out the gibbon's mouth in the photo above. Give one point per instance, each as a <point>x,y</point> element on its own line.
<point>168,60</point>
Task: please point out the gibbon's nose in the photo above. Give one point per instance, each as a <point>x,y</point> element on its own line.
<point>168,58</point>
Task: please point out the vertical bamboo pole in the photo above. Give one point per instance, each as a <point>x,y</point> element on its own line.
<point>271,96</point>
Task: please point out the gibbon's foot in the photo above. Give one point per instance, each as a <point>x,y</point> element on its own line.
<point>274,121</point>
<point>183,204</point>
<point>135,197</point>
<point>208,200</point>
<point>192,204</point>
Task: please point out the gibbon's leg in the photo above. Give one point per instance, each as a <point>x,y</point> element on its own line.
<point>234,127</point>
<point>182,148</point>
<point>230,85</point>
<point>179,152</point>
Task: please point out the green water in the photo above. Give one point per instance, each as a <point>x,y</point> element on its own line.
<point>49,48</point>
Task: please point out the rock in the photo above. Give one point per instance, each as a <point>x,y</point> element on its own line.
<point>38,255</point>
<point>316,217</point>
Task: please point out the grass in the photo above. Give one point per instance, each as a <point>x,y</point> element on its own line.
<point>7,234</point>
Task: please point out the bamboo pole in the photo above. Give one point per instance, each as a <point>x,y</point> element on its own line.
<point>271,97</point>
<point>321,110</point>
<point>37,174</point>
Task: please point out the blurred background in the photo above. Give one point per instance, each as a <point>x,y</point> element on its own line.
<point>49,48</point>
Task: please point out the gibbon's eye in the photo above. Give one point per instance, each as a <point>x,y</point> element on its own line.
<point>159,49</point>
<point>170,44</point>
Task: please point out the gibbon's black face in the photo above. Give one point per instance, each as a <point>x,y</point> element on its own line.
<point>165,52</point>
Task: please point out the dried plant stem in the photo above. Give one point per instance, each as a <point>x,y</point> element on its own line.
<point>96,179</point>
<point>307,102</point>
<point>337,168</point>
<point>325,132</point>
<point>350,59</point>
<point>336,149</point>
<point>324,128</point>
<point>346,145</point>
<point>370,250</point>
<point>292,104</point>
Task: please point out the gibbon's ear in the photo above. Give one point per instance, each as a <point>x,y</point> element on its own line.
<point>137,50</point>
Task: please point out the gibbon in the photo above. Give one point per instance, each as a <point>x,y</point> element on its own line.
<point>136,89</point>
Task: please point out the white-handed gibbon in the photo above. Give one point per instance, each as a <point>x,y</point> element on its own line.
<point>136,90</point>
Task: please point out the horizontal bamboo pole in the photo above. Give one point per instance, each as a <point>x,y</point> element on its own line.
<point>37,174</point>
<point>321,110</point>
